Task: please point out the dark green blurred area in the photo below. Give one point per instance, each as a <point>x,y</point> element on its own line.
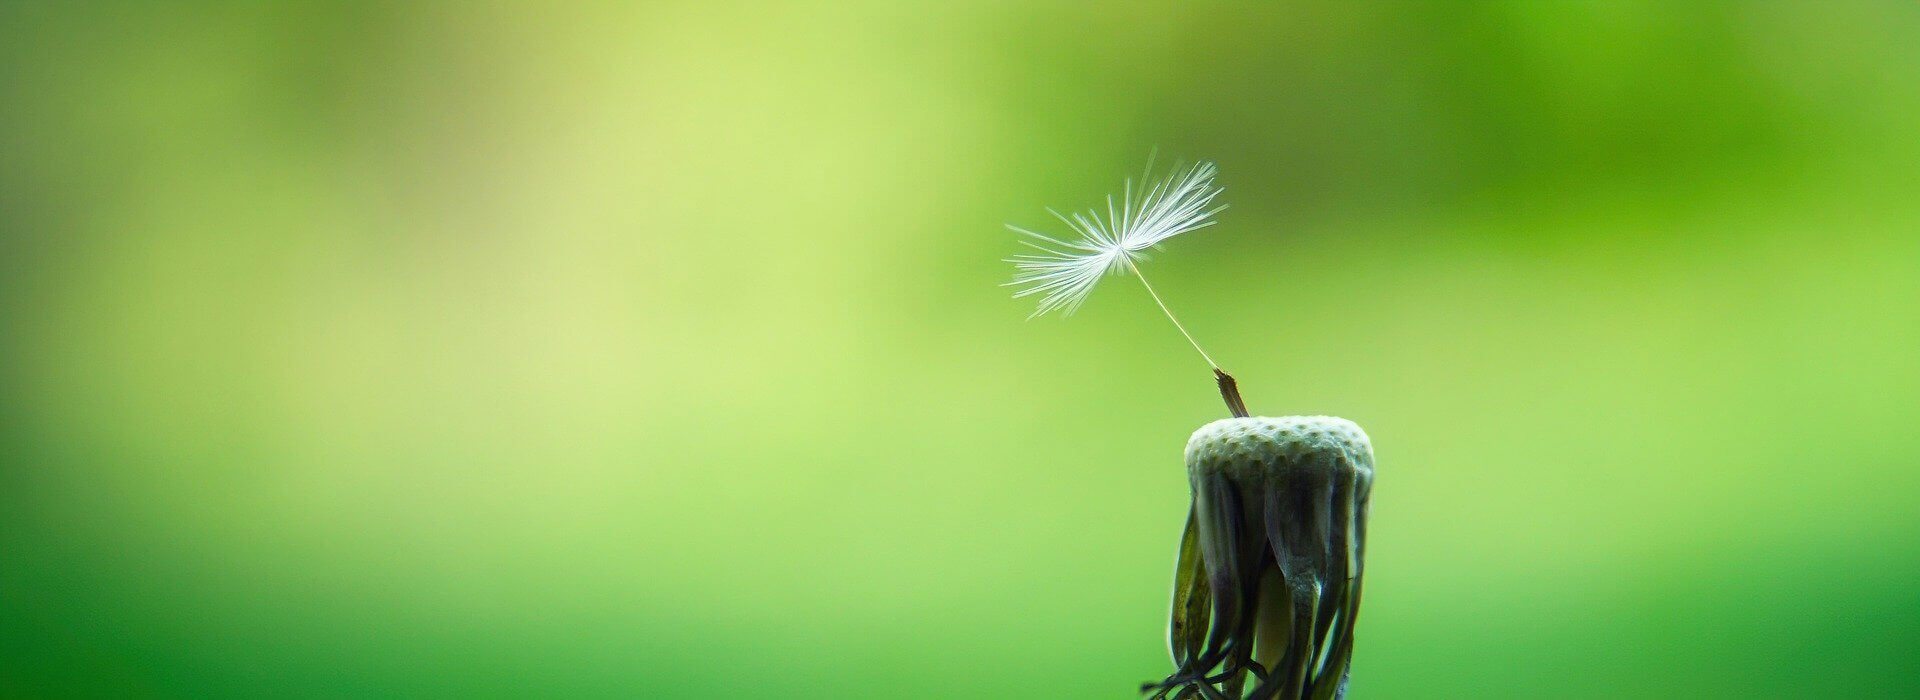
<point>656,351</point>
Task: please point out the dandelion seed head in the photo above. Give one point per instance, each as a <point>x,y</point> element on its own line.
<point>1063,272</point>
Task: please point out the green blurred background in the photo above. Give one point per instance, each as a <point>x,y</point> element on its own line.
<point>657,350</point>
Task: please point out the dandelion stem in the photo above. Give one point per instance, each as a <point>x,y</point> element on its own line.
<point>1229,389</point>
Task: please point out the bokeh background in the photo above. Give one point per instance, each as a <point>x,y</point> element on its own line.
<point>656,350</point>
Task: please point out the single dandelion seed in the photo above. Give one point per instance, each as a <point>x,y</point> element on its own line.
<point>1064,272</point>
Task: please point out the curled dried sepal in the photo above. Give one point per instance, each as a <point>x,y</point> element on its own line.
<point>1186,632</point>
<point>1278,523</point>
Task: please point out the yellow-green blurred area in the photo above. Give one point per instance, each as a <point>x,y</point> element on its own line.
<point>657,350</point>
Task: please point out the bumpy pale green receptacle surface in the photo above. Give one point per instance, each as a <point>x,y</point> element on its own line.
<point>1232,443</point>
